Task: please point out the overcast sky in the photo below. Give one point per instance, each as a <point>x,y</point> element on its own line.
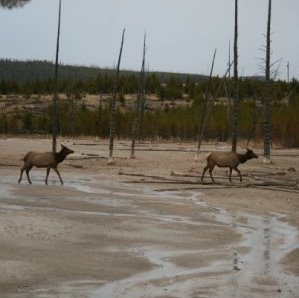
<point>181,34</point>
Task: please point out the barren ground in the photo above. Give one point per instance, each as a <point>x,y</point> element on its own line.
<point>147,227</point>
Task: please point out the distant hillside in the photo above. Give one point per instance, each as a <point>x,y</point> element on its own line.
<point>24,71</point>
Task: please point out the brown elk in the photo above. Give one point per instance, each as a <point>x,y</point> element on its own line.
<point>230,160</point>
<point>49,160</point>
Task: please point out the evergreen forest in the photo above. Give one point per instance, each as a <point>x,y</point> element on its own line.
<point>172,104</point>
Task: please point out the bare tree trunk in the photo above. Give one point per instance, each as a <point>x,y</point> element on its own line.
<point>267,129</point>
<point>204,108</point>
<point>138,102</point>
<point>142,107</point>
<point>55,118</point>
<point>236,85</point>
<point>113,103</point>
<point>134,130</point>
<point>213,98</point>
<point>228,96</point>
<point>143,98</point>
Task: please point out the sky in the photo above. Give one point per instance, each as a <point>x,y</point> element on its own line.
<point>181,35</point>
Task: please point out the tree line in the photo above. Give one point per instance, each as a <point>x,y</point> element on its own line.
<point>173,87</point>
<point>170,120</point>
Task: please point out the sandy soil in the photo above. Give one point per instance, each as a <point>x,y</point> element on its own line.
<point>147,227</point>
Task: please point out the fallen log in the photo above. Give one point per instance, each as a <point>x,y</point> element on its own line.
<point>142,175</point>
<point>160,182</point>
<point>183,175</point>
<point>9,165</point>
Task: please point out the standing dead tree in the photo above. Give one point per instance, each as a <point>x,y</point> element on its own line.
<point>142,107</point>
<point>227,129</point>
<point>139,100</point>
<point>55,116</point>
<point>213,98</point>
<point>266,124</point>
<point>204,108</point>
<point>236,85</point>
<point>113,103</point>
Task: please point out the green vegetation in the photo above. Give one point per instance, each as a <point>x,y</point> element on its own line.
<point>178,119</point>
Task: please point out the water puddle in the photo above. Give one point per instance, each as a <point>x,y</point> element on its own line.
<point>252,270</point>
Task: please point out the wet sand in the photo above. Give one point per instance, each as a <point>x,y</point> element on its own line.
<point>135,229</point>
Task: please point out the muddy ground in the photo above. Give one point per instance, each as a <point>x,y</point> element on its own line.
<point>147,227</point>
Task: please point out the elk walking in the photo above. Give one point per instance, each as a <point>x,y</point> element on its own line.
<point>49,160</point>
<point>230,160</point>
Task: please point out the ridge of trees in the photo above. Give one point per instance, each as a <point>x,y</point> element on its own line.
<point>30,70</point>
<point>176,120</point>
<point>36,77</point>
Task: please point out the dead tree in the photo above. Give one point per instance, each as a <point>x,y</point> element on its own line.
<point>213,98</point>
<point>204,107</point>
<point>138,102</point>
<point>227,130</point>
<point>236,85</point>
<point>266,125</point>
<point>142,107</point>
<point>113,103</point>
<point>55,116</point>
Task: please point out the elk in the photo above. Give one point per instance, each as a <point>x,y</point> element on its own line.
<point>49,160</point>
<point>227,159</point>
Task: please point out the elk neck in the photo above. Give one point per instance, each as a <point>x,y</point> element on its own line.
<point>242,157</point>
<point>60,156</point>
